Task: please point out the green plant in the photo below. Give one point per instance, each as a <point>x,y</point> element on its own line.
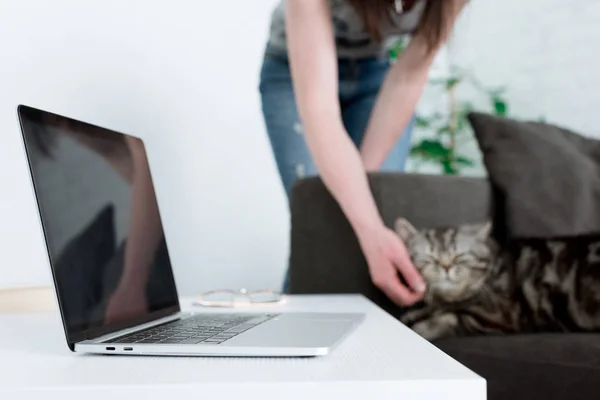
<point>450,131</point>
<point>396,48</point>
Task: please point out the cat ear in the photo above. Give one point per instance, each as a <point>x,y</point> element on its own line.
<point>405,229</point>
<point>484,231</point>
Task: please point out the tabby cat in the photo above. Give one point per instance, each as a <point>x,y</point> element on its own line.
<point>477,287</point>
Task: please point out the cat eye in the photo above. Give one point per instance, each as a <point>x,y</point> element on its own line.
<point>462,257</point>
<point>457,259</point>
<point>480,266</point>
<point>420,264</point>
<point>424,259</point>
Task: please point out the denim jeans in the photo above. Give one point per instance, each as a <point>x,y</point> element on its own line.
<point>359,85</point>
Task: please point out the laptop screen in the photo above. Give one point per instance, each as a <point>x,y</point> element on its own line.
<point>101,222</point>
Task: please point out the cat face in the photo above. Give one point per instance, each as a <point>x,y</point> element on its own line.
<point>455,262</point>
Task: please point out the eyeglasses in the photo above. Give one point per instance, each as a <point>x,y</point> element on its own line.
<point>237,298</point>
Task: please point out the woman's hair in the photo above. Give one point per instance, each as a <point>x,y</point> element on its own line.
<point>432,26</point>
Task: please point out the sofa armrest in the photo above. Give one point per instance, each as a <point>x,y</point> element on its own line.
<point>325,254</point>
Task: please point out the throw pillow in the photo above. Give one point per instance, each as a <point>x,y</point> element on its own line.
<point>548,177</point>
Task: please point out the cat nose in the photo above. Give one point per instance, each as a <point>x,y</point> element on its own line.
<point>447,267</point>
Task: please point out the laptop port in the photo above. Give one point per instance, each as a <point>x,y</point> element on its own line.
<point>128,348</point>
<point>110,348</point>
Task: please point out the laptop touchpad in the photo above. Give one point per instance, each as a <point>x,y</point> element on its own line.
<point>294,332</point>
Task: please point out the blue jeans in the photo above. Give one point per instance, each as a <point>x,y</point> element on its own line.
<point>359,85</point>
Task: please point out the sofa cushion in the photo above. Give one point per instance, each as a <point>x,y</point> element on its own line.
<point>548,177</point>
<point>551,366</point>
<point>431,201</point>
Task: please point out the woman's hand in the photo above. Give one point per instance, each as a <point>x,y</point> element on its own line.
<point>387,257</point>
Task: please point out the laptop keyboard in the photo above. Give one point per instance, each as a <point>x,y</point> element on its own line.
<point>210,329</point>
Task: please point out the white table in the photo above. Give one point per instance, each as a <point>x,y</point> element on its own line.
<point>382,359</point>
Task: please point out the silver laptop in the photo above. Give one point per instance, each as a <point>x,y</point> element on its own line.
<point>110,262</point>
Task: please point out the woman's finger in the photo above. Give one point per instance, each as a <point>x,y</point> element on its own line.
<point>405,266</point>
<point>388,282</point>
<point>400,294</point>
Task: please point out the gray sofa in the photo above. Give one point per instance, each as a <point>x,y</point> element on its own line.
<point>326,258</point>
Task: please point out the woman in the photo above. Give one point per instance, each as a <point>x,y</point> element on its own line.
<point>333,104</point>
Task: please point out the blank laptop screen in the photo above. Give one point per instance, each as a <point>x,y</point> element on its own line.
<point>101,222</point>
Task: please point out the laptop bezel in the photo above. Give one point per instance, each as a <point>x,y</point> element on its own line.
<point>25,112</point>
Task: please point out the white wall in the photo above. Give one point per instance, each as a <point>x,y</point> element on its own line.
<point>183,75</point>
<point>547,52</point>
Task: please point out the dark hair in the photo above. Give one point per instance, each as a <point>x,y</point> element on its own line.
<point>432,26</point>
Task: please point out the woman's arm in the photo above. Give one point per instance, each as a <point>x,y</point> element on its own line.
<point>314,71</point>
<point>144,236</point>
<point>399,96</point>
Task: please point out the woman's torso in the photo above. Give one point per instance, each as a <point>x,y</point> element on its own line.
<point>352,39</point>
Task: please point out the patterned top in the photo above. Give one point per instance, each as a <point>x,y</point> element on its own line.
<point>352,39</point>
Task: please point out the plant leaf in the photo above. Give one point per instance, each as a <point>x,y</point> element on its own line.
<point>449,168</point>
<point>452,82</point>
<point>396,50</point>
<point>422,122</point>
<point>465,161</point>
<point>500,107</point>
<point>444,130</point>
<point>431,150</point>
<point>449,83</point>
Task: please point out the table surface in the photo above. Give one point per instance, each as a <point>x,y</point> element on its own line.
<point>381,359</point>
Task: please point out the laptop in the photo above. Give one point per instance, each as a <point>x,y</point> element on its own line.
<point>110,261</point>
